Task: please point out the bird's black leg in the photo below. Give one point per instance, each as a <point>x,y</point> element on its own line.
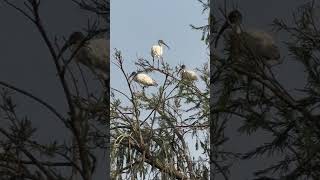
<point>152,61</point>
<point>158,62</point>
<point>249,81</point>
<point>143,91</point>
<point>161,59</point>
<point>263,87</point>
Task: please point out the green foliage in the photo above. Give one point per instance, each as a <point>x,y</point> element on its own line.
<point>156,137</point>
<point>253,95</point>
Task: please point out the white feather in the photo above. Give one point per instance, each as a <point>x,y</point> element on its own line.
<point>94,54</point>
<point>189,75</point>
<point>263,44</point>
<point>156,51</point>
<point>265,38</point>
<point>144,79</point>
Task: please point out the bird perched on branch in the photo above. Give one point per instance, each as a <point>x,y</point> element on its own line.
<point>187,74</point>
<point>143,79</point>
<point>157,51</point>
<point>257,43</point>
<point>250,50</point>
<point>93,53</point>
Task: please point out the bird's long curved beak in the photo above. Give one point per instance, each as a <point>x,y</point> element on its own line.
<point>181,68</point>
<point>130,78</point>
<point>64,47</point>
<point>238,28</point>
<point>223,28</point>
<point>165,45</point>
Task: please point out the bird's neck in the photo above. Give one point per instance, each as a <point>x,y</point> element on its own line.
<point>238,30</point>
<point>77,45</point>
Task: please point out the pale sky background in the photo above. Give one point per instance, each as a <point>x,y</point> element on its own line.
<point>137,25</point>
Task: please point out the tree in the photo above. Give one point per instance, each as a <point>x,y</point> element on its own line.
<point>153,129</point>
<point>246,91</point>
<point>22,155</point>
<point>149,129</point>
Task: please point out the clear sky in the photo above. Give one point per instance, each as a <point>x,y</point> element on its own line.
<point>137,25</point>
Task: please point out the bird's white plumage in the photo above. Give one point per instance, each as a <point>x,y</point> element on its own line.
<point>264,38</point>
<point>262,44</point>
<point>144,79</point>
<point>156,51</point>
<point>95,54</point>
<point>188,75</point>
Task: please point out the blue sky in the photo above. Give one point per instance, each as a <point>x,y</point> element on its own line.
<point>137,25</point>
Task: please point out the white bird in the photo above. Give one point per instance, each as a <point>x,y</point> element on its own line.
<point>258,43</point>
<point>143,79</point>
<point>94,53</point>
<point>188,74</point>
<point>157,51</point>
